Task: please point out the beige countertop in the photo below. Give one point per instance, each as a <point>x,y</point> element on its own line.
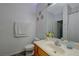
<point>43,44</point>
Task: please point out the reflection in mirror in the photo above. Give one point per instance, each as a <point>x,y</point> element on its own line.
<point>52,21</point>
<point>60,29</point>
<point>60,18</point>
<point>56,13</point>
<point>65,19</point>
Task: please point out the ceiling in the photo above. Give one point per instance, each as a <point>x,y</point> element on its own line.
<point>74,5</point>
<point>57,9</point>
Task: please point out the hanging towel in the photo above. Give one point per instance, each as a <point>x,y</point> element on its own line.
<point>22,29</point>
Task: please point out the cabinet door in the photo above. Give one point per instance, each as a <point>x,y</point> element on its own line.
<point>35,50</point>
<point>39,52</point>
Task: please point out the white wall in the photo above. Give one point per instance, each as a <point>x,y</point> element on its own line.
<point>41,23</point>
<point>73,19</point>
<point>8,14</point>
<point>41,7</point>
<point>74,27</point>
<point>65,22</point>
<point>44,25</point>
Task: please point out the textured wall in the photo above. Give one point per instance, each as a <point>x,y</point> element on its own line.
<point>8,14</point>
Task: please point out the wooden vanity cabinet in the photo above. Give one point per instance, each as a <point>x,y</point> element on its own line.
<point>39,52</point>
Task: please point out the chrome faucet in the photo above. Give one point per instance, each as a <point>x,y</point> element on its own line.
<point>57,43</point>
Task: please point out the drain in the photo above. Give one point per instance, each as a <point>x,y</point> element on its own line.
<point>54,51</point>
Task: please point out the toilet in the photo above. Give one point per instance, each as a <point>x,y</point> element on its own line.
<point>30,48</point>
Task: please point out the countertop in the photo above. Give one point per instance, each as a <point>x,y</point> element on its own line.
<point>49,51</point>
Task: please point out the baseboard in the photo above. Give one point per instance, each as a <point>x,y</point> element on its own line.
<point>17,52</point>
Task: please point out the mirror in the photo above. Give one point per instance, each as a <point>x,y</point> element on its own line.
<point>55,19</point>
<point>60,18</point>
<point>51,20</point>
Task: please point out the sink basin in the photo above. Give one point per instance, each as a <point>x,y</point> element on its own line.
<point>57,50</point>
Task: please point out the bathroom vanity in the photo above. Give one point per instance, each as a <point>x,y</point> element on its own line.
<point>48,48</point>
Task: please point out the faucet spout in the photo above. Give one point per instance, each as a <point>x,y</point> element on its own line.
<point>57,43</point>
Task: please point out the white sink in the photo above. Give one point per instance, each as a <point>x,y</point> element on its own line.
<point>56,50</point>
